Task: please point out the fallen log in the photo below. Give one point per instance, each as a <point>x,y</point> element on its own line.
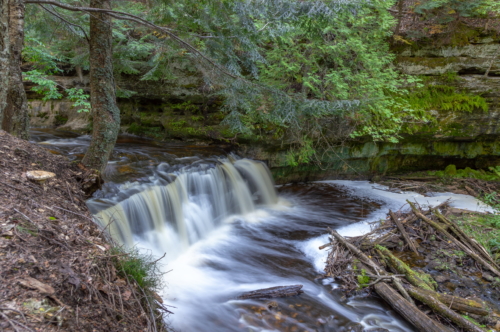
<point>413,277</point>
<point>443,310</point>
<point>450,237</point>
<point>459,303</point>
<point>403,232</point>
<point>407,310</point>
<point>272,292</point>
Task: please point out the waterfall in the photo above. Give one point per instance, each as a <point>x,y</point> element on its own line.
<point>180,208</point>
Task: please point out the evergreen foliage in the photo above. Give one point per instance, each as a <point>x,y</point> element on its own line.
<point>44,61</point>
<point>301,71</point>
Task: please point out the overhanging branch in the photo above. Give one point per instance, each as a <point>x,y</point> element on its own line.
<point>66,21</point>
<point>134,18</point>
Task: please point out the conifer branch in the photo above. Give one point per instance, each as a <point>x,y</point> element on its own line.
<point>134,18</point>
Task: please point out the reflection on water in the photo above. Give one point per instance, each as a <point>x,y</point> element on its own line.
<point>225,232</point>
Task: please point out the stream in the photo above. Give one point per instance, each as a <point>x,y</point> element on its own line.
<point>224,229</point>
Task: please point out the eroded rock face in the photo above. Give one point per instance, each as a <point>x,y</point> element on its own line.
<point>473,58</point>
<point>471,139</point>
<point>58,113</point>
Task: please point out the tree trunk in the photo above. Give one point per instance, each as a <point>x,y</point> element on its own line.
<point>15,118</point>
<point>105,112</point>
<point>400,17</point>
<point>4,55</point>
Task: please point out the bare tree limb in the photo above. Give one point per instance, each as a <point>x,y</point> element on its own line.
<point>66,21</point>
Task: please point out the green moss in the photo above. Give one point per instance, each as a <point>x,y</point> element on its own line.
<point>363,279</point>
<point>422,280</point>
<point>473,321</point>
<point>185,108</point>
<point>60,120</point>
<point>451,77</point>
<point>218,116</point>
<point>446,98</point>
<point>176,125</point>
<point>463,35</point>
<point>43,115</point>
<point>450,170</point>
<point>197,118</point>
<point>427,62</point>
<point>137,129</point>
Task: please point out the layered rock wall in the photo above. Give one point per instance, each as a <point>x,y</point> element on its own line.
<point>180,109</point>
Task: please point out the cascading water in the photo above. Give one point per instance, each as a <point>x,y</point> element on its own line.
<point>225,231</point>
<point>176,210</point>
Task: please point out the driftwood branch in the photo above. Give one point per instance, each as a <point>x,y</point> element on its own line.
<point>473,245</point>
<point>273,292</point>
<point>459,303</point>
<point>362,257</point>
<point>404,307</point>
<point>402,289</point>
<point>401,267</point>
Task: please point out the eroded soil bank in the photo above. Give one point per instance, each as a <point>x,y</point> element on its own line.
<point>57,271</point>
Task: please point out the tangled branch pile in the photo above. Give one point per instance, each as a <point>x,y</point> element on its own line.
<point>435,258</point>
<point>426,184</point>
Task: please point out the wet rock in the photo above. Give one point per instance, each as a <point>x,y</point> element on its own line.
<point>451,286</point>
<point>441,278</point>
<point>353,327</point>
<point>377,329</point>
<point>488,277</point>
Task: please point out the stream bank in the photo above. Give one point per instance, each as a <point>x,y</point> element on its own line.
<point>57,269</point>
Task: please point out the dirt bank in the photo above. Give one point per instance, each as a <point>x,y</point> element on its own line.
<point>57,271</point>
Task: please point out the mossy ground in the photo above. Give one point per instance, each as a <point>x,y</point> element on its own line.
<point>485,229</point>
<point>451,172</point>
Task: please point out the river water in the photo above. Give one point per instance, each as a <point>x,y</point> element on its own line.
<point>224,229</point>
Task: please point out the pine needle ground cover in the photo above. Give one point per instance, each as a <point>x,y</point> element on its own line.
<point>57,271</point>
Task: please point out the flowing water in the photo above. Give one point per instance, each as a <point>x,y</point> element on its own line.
<point>224,229</point>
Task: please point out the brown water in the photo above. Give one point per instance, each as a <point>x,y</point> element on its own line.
<point>275,242</point>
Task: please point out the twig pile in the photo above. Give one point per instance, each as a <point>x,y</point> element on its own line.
<point>367,261</point>
<point>467,186</point>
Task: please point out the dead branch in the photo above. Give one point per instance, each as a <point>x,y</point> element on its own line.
<point>403,232</point>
